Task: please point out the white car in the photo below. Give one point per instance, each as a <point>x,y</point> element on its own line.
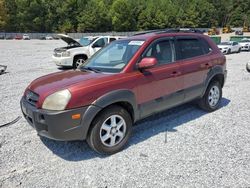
<point>76,52</point>
<point>229,47</point>
<point>48,37</point>
<point>245,44</point>
<point>26,37</point>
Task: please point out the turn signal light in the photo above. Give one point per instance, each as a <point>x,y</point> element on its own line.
<point>76,116</point>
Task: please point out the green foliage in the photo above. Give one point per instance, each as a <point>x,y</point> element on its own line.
<point>3,15</point>
<point>119,15</point>
<point>122,19</point>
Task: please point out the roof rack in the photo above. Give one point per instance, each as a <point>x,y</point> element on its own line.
<point>173,30</point>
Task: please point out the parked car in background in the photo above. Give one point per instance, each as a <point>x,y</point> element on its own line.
<point>238,32</point>
<point>229,47</point>
<point>9,37</point>
<point>76,53</point>
<point>42,37</point>
<point>18,37</point>
<point>245,44</point>
<point>2,37</point>
<point>48,37</point>
<point>26,37</point>
<point>126,81</point>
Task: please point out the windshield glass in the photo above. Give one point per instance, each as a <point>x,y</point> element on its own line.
<point>245,40</point>
<point>114,57</point>
<point>85,41</point>
<point>225,43</point>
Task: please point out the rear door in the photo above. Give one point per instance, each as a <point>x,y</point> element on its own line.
<point>160,87</point>
<point>192,55</point>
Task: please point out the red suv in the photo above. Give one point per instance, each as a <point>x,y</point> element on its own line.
<point>124,82</point>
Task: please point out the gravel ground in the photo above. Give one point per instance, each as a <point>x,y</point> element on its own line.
<point>182,147</point>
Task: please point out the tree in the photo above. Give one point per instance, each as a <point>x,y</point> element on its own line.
<point>95,18</point>
<point>122,17</point>
<point>3,15</point>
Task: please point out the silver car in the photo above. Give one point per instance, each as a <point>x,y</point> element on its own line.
<point>245,44</point>
<point>229,47</point>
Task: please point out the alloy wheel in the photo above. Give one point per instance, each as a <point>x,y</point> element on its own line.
<point>113,130</point>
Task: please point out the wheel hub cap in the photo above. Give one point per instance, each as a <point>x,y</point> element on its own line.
<point>113,130</point>
<point>214,96</point>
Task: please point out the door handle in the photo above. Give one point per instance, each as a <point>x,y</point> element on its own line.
<point>176,73</point>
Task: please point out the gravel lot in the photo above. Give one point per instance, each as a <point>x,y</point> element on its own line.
<point>182,147</point>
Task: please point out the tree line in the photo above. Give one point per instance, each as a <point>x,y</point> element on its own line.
<point>119,15</point>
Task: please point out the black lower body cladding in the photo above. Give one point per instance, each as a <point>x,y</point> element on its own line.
<point>56,125</point>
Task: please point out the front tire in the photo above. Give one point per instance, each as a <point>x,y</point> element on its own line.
<point>110,130</point>
<point>248,67</point>
<point>78,61</point>
<point>212,97</point>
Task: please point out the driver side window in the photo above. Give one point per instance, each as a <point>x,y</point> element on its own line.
<point>99,43</point>
<point>162,51</point>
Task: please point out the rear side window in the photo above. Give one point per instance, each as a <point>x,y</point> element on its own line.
<point>206,47</point>
<point>188,48</point>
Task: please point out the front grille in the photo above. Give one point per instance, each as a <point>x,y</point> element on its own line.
<point>31,97</point>
<point>220,48</point>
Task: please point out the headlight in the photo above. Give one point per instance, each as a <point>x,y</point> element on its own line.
<point>57,100</point>
<point>66,54</point>
<point>226,48</point>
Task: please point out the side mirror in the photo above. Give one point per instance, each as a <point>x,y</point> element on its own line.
<point>147,62</point>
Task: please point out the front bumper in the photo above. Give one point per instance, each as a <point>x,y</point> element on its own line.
<point>63,61</point>
<point>224,51</point>
<point>245,48</point>
<point>57,125</point>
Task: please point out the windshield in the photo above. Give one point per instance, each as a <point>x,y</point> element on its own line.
<point>245,40</point>
<point>85,41</point>
<point>114,57</point>
<point>225,43</point>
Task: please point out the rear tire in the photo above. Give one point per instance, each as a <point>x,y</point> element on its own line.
<point>239,50</point>
<point>110,130</point>
<point>212,97</point>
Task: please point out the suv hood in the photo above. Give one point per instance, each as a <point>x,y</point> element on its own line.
<point>223,46</point>
<point>68,39</point>
<point>51,83</point>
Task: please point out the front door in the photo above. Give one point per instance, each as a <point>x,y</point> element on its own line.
<point>160,87</point>
<point>97,45</point>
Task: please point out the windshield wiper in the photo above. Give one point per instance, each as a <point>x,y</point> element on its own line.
<point>90,69</point>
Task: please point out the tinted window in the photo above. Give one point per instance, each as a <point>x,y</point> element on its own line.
<point>162,51</point>
<point>188,48</point>
<point>112,39</point>
<point>206,47</point>
<point>101,42</point>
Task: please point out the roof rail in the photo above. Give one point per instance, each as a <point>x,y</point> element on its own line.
<point>172,30</point>
<point>150,31</point>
